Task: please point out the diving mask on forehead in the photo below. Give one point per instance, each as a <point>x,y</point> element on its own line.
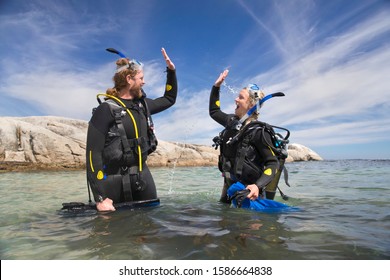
<point>254,90</point>
<point>133,64</point>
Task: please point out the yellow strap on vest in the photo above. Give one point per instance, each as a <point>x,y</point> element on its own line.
<point>133,120</point>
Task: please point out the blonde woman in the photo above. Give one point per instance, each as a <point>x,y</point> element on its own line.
<point>246,153</point>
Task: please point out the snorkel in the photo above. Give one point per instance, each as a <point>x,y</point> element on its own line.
<point>257,106</point>
<point>112,50</point>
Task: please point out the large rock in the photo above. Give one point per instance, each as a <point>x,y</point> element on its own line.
<point>44,142</point>
<point>59,143</point>
<point>298,152</point>
<point>180,154</point>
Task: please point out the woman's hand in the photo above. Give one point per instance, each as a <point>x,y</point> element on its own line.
<point>221,78</point>
<point>254,192</point>
<point>105,205</point>
<point>168,61</point>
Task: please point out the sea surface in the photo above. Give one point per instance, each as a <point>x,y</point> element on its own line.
<point>344,215</point>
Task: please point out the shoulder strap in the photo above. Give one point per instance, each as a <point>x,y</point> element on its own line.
<point>148,115</point>
<point>241,153</point>
<point>244,131</point>
<point>118,113</point>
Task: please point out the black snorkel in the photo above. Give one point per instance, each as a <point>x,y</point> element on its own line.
<point>112,50</point>
<point>269,96</point>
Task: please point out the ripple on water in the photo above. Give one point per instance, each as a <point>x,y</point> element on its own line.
<point>344,215</point>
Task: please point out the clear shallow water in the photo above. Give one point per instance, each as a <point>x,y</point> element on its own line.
<point>345,214</point>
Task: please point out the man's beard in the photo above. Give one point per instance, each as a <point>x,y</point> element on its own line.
<point>136,93</point>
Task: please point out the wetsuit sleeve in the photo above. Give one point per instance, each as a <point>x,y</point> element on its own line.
<point>162,103</point>
<point>97,129</point>
<point>215,109</point>
<point>271,163</point>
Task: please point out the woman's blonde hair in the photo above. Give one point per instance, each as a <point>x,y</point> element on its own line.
<point>254,97</point>
<point>120,77</point>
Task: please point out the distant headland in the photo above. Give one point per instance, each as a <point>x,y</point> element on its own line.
<point>58,143</point>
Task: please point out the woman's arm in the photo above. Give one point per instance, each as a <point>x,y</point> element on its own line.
<point>215,104</point>
<point>215,109</point>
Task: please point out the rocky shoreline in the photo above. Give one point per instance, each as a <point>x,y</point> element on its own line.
<point>57,143</point>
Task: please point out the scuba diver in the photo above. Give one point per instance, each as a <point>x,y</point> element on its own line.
<point>251,153</point>
<point>120,136</point>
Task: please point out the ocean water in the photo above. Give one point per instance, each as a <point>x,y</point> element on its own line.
<point>344,215</point>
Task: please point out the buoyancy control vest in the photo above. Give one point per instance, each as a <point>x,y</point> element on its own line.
<point>119,151</point>
<point>123,158</point>
<point>238,159</point>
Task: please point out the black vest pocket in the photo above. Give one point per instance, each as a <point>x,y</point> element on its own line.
<point>250,172</point>
<point>113,152</point>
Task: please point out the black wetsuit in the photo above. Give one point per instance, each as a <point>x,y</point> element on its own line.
<point>260,163</point>
<point>106,180</point>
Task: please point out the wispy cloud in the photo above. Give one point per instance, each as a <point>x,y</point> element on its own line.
<point>48,59</point>
<point>277,42</point>
<point>188,120</point>
<point>334,83</point>
<point>334,72</point>
<point>72,93</point>
<point>344,133</point>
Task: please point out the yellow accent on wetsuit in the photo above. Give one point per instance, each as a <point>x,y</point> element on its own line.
<point>90,161</point>
<point>218,103</point>
<point>100,175</point>
<point>268,172</point>
<point>168,87</point>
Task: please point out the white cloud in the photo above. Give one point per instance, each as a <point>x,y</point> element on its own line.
<point>344,133</point>
<point>72,93</point>
<point>337,88</point>
<point>41,66</point>
<point>188,120</point>
<point>155,78</point>
<point>60,93</point>
<point>341,80</point>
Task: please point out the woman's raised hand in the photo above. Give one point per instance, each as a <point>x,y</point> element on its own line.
<point>221,78</point>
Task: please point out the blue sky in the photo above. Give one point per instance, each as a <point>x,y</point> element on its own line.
<point>330,58</point>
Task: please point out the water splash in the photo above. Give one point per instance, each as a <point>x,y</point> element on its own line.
<point>233,90</point>
<point>172,172</point>
<point>183,145</point>
<point>230,88</point>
